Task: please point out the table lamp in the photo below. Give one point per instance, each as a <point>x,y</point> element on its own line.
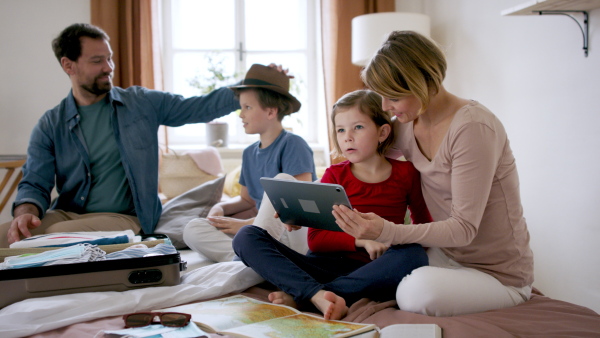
<point>369,31</point>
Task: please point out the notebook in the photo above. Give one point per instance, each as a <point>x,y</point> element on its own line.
<point>305,203</point>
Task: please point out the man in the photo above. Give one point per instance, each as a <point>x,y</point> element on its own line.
<point>99,146</point>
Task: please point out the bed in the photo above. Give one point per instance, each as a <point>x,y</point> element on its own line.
<point>85,314</point>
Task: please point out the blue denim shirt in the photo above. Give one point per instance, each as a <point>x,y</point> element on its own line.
<point>57,151</point>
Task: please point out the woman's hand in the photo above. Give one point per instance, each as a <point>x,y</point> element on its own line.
<point>357,224</point>
<point>375,249</point>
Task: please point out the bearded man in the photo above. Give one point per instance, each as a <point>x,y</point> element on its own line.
<point>99,146</point>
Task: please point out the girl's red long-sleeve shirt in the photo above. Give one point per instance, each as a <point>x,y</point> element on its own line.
<point>388,199</point>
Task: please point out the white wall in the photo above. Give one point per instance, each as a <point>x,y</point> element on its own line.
<point>532,73</point>
<point>32,80</point>
<point>529,70</point>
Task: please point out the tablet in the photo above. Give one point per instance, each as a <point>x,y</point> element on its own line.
<point>305,203</point>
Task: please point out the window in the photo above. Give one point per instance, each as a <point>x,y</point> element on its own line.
<point>235,34</point>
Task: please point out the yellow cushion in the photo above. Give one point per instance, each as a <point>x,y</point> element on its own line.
<point>320,171</point>
<point>232,186</point>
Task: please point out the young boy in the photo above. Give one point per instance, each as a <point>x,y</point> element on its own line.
<point>265,100</point>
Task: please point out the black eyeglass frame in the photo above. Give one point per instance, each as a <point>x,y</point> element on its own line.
<point>153,315</point>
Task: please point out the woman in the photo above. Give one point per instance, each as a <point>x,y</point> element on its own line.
<point>479,251</point>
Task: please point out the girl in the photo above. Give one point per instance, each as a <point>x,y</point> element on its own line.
<point>340,269</point>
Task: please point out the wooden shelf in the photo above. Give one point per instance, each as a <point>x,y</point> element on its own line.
<point>533,7</point>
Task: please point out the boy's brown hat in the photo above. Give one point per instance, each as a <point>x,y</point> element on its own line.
<point>259,76</point>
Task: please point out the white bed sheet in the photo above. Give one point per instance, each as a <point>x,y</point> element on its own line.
<point>202,280</point>
<point>194,260</point>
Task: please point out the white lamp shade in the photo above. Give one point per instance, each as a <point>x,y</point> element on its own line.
<point>370,31</point>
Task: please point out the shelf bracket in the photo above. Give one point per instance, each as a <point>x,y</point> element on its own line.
<point>584,29</point>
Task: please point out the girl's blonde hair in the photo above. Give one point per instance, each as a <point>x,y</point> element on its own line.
<point>369,103</point>
<point>408,63</point>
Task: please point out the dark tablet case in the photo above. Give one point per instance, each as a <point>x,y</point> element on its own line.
<point>305,203</point>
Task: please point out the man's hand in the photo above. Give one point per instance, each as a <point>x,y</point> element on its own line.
<point>228,225</point>
<point>280,69</point>
<point>375,249</point>
<point>26,217</point>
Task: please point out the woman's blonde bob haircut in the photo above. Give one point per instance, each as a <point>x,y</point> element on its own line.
<point>369,103</point>
<point>407,63</point>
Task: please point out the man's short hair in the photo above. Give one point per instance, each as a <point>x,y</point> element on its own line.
<point>68,43</point>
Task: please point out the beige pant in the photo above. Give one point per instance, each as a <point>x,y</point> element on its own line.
<point>63,221</point>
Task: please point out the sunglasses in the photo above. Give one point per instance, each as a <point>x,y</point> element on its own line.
<point>172,319</point>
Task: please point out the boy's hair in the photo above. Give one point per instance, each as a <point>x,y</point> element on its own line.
<point>269,99</point>
<point>369,103</point>
<point>68,43</point>
<point>407,63</point>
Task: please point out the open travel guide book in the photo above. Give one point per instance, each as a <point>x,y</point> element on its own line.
<point>246,317</point>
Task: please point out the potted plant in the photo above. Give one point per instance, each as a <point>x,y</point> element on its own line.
<point>216,131</point>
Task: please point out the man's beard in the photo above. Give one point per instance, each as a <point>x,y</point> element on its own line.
<point>98,88</point>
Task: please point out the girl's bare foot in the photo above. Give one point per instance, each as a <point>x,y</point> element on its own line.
<point>333,306</point>
<point>280,297</point>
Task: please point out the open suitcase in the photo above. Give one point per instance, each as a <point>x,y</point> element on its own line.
<point>109,275</point>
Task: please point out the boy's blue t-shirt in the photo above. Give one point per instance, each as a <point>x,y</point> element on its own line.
<point>288,154</point>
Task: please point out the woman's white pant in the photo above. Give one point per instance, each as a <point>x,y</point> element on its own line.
<point>446,288</point>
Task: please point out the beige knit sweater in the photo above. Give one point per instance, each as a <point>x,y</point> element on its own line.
<point>471,188</point>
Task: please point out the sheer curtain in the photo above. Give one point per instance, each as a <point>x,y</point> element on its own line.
<point>341,76</point>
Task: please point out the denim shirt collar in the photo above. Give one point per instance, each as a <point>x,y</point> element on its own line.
<point>114,96</point>
<point>71,110</point>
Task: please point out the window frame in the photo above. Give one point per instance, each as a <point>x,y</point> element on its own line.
<point>315,134</point>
